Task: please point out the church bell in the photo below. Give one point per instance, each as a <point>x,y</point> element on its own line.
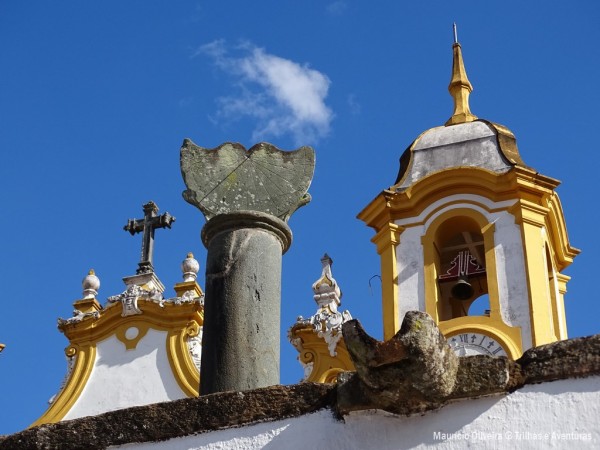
<point>462,290</point>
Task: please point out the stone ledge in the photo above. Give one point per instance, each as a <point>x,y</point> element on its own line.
<point>476,376</point>
<point>162,421</point>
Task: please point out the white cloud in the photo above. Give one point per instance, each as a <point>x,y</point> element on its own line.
<point>337,7</point>
<point>282,95</point>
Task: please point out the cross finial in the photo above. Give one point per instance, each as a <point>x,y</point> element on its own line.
<point>147,225</point>
<point>460,87</point>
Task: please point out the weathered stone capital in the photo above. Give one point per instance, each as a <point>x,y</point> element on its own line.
<point>248,219</point>
<point>230,178</point>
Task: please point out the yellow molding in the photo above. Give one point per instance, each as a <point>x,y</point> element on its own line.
<point>87,305</point>
<point>509,337</point>
<point>163,318</point>
<point>386,240</point>
<point>557,234</point>
<point>185,286</point>
<point>313,349</point>
<point>183,367</point>
<point>85,357</point>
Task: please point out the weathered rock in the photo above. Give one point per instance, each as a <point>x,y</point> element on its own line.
<point>482,375</point>
<point>418,357</point>
<point>571,358</point>
<point>413,372</point>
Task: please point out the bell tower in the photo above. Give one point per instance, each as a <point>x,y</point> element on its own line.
<point>473,236</point>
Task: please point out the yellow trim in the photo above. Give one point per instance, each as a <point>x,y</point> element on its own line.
<point>179,321</point>
<point>131,344</point>
<point>313,349</point>
<point>182,365</point>
<point>85,357</point>
<point>508,337</point>
<point>386,241</point>
<point>531,219</point>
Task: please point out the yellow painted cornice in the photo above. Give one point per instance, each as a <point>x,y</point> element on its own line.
<point>166,317</point>
<point>518,183</point>
<point>387,236</point>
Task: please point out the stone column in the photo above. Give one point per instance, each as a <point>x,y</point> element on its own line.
<point>247,197</point>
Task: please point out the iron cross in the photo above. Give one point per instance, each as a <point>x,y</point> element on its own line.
<point>148,224</point>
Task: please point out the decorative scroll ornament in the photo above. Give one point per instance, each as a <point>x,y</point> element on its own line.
<point>463,265</point>
<point>194,344</point>
<point>78,316</point>
<point>327,321</point>
<point>129,299</point>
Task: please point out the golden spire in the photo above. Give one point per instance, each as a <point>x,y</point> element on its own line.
<point>460,88</point>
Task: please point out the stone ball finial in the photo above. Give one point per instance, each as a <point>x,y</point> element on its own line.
<point>90,284</point>
<point>190,268</point>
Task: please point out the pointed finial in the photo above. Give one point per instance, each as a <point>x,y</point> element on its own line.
<point>460,88</point>
<point>327,292</point>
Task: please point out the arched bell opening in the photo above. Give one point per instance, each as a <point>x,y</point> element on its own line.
<point>461,268</point>
<point>480,306</point>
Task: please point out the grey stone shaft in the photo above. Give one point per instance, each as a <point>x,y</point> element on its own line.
<point>241,342</point>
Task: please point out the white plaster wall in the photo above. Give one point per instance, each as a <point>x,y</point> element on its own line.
<point>510,259</point>
<point>409,255</point>
<point>122,378</point>
<point>561,415</point>
<point>512,277</point>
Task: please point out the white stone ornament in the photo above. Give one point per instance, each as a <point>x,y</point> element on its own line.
<point>190,268</point>
<point>129,299</point>
<point>327,321</point>
<point>90,284</point>
<point>194,345</point>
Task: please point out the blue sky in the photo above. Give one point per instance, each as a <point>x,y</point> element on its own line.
<point>96,98</point>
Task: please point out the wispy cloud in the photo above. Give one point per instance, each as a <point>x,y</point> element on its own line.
<point>353,104</point>
<point>284,97</point>
<point>337,7</point>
